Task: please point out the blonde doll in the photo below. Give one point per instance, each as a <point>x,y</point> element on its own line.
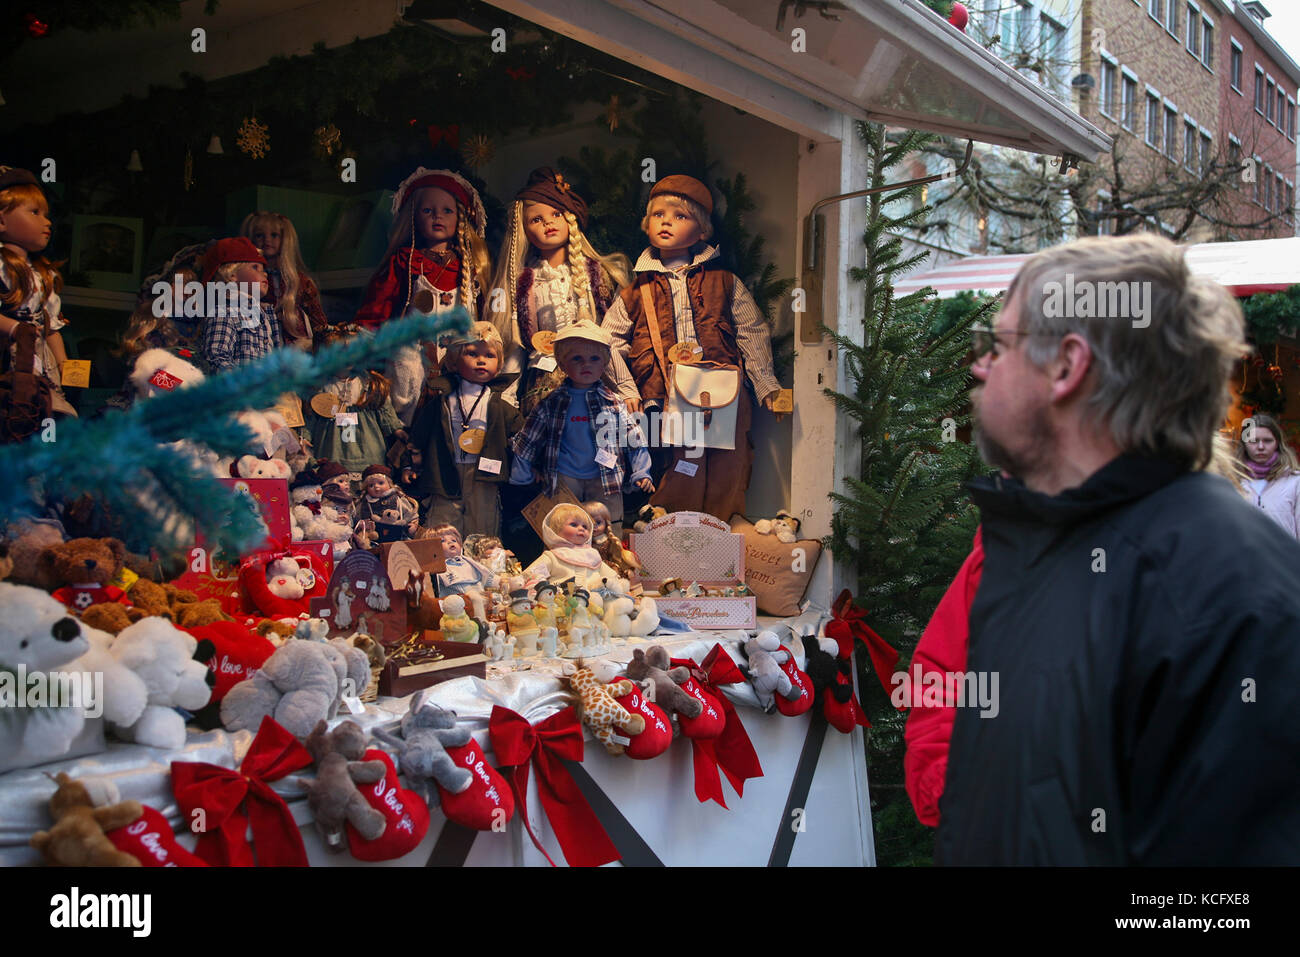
<point>293,293</point>
<point>30,284</point>
<point>566,530</point>
<point>552,278</point>
<point>436,260</point>
<point>605,537</point>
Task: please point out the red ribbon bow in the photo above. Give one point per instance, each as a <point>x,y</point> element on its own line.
<point>225,802</point>
<point>850,622</point>
<point>520,73</point>
<point>547,746</point>
<point>732,751</point>
<point>449,133</point>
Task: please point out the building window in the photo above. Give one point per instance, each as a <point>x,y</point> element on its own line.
<point>1281,111</point>
<point>1234,158</point>
<point>1207,43</point>
<point>1056,57</point>
<point>1189,145</point>
<point>1128,110</point>
<point>1268,101</point>
<point>1268,187</point>
<point>1207,152</point>
<point>1290,202</point>
<point>1153,120</point>
<point>1171,16</point>
<point>1171,132</point>
<point>1255,165</point>
<point>1016,33</point>
<point>1235,69</point>
<point>1105,224</point>
<point>1259,90</point>
<point>1280,194</point>
<point>1193,29</point>
<point>1156,8</point>
<point>1106,99</point>
<point>1290,119</point>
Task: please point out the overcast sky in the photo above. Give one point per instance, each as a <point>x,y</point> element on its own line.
<point>1284,25</point>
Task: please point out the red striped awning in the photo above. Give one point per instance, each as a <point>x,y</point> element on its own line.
<point>1260,265</point>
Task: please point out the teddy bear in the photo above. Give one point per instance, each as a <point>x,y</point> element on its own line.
<point>280,588</point>
<point>785,527</point>
<point>625,616</point>
<point>600,711</point>
<point>652,666</point>
<point>27,538</point>
<point>427,732</point>
<point>647,514</point>
<point>78,838</point>
<point>254,467</point>
<point>313,519</point>
<point>174,668</point>
<point>333,797</point>
<point>301,683</point>
<point>125,694</point>
<point>83,569</point>
<point>765,657</point>
<point>157,372</point>
<point>38,635</point>
<point>822,665</point>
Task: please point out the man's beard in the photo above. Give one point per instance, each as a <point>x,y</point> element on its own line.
<point>1035,455</point>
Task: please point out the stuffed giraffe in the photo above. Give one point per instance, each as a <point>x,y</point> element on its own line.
<point>602,713</point>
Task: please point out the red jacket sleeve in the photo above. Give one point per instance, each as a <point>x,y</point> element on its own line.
<point>381,298</point>
<point>942,648</point>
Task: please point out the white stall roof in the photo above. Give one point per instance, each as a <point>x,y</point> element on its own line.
<point>890,61</point>
<point>1260,265</point>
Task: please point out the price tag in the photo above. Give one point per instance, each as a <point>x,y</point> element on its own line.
<point>784,401</point>
<point>607,458</point>
<point>547,364</point>
<point>492,466</point>
<point>354,704</point>
<point>325,404</point>
<point>76,373</point>
<point>688,521</point>
<point>164,380</point>
<point>345,418</point>
<point>544,342</point>
<point>290,406</point>
<point>686,468</point>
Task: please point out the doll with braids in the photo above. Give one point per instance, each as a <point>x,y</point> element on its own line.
<point>552,278</point>
<point>436,260</point>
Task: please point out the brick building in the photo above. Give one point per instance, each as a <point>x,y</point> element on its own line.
<point>1257,92</point>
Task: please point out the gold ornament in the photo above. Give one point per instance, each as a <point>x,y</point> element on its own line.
<point>613,112</point>
<point>253,138</point>
<point>326,140</point>
<point>477,150</point>
<point>187,177</point>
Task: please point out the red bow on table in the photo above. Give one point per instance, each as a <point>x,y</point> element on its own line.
<point>732,751</point>
<point>850,622</point>
<point>546,746</point>
<point>230,800</point>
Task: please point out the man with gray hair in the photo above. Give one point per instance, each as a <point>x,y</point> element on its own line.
<point>1143,620</point>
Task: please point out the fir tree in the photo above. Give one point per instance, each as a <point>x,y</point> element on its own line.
<point>906,523</point>
<point>157,493</point>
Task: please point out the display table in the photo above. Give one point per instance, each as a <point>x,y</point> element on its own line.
<point>656,797</point>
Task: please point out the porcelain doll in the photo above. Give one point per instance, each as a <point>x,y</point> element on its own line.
<point>292,293</point>
<point>463,575</point>
<point>566,530</point>
<point>436,260</point>
<point>552,277</point>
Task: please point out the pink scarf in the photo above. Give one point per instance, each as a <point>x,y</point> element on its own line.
<point>1261,469</point>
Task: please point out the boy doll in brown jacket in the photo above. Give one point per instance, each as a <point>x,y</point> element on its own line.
<point>703,312</point>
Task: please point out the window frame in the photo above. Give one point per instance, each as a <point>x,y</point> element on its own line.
<point>1236,56</point>
<point>1270,97</point>
<point>1128,81</point>
<point>1205,156</point>
<point>1208,29</point>
<point>1153,97</point>
<point>1106,60</point>
<point>1057,71</point>
<point>1190,129</point>
<point>1258,162</point>
<point>1171,113</point>
<point>1192,42</point>
<point>1259,89</point>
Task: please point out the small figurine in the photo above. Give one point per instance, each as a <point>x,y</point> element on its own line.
<point>463,575</point>
<point>580,624</point>
<point>455,625</point>
<point>383,513</point>
<point>550,638</point>
<point>694,590</point>
<point>671,588</point>
<point>544,604</point>
<point>522,624</point>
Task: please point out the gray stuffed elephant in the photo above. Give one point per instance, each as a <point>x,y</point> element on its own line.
<point>421,750</point>
<point>301,684</point>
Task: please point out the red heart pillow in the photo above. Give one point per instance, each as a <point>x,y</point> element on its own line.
<point>843,717</point>
<point>487,801</point>
<point>712,721</point>
<point>405,812</point>
<point>658,733</point>
<point>801,681</point>
<point>151,841</point>
<point>240,653</point>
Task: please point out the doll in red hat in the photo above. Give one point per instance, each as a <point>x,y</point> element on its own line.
<point>684,308</point>
<point>552,277</point>
<point>436,260</point>
<point>29,283</point>
<point>243,327</point>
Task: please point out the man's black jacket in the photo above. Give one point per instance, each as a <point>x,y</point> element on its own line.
<point>1145,628</point>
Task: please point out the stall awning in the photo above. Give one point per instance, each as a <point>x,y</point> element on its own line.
<point>1261,265</point>
<point>889,61</point>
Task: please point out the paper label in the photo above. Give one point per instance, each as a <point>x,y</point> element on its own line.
<point>492,466</point>
<point>290,406</point>
<point>607,458</point>
<point>345,419</point>
<point>688,520</point>
<point>76,373</point>
<point>686,468</point>
<point>354,704</point>
<point>165,380</point>
<point>547,364</point>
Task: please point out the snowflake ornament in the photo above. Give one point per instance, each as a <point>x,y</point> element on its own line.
<point>253,138</point>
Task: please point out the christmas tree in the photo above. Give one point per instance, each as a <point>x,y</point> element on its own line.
<point>905,523</point>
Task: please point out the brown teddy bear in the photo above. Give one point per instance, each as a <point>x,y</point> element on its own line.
<point>82,569</point>
<point>333,797</point>
<point>78,836</point>
<point>27,539</point>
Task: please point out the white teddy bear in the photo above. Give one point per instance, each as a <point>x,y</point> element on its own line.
<point>125,694</point>
<point>37,635</point>
<point>785,526</point>
<point>163,657</point>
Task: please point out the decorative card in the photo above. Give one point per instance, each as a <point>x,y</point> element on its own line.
<point>692,546</point>
<point>536,510</point>
<point>360,598</point>
<point>710,614</point>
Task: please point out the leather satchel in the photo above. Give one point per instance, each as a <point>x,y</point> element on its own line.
<point>703,397</point>
<point>26,399</point>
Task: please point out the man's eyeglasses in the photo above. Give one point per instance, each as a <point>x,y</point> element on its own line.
<point>983,341</point>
